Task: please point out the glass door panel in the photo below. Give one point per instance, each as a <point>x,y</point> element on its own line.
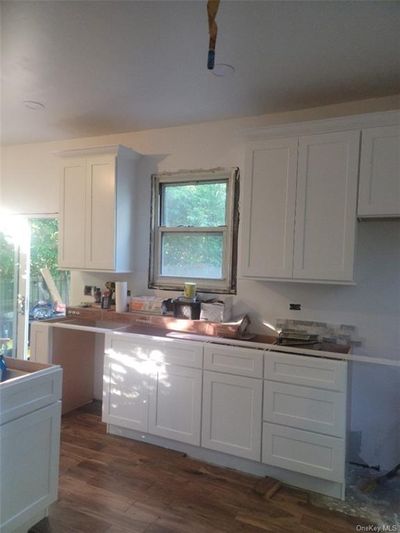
<point>8,296</point>
<point>14,278</point>
<point>46,302</point>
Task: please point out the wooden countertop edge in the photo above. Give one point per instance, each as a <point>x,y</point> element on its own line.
<point>243,343</point>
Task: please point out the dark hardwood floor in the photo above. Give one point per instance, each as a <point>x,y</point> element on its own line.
<point>113,485</point>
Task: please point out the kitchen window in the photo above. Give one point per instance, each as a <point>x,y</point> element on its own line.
<point>194,226</point>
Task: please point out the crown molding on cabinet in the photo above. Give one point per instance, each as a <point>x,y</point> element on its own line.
<point>352,122</point>
<point>111,149</point>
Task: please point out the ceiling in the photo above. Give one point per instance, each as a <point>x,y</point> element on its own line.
<point>112,66</point>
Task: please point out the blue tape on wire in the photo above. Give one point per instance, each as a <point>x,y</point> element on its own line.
<point>211,59</point>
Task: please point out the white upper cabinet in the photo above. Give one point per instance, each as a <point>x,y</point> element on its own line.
<point>95,209</point>
<point>269,208</point>
<point>300,197</point>
<point>71,252</point>
<point>379,191</point>
<point>325,226</point>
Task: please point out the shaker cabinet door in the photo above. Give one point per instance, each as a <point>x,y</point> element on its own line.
<point>100,226</point>
<point>326,206</point>
<point>379,192</point>
<point>232,407</point>
<point>71,250</point>
<point>126,380</point>
<point>175,404</point>
<point>269,208</point>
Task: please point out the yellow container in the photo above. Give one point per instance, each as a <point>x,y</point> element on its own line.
<point>189,290</point>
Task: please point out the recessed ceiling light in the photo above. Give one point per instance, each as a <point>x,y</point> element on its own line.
<point>34,105</point>
<point>223,69</point>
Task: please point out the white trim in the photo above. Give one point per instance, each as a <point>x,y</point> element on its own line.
<point>112,149</point>
<point>352,122</point>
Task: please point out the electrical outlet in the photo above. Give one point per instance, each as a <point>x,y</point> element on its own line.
<point>88,290</point>
<point>295,307</point>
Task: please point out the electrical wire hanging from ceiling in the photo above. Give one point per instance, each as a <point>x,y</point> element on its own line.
<point>212,9</point>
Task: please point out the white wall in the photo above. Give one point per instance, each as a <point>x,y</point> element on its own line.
<point>30,184</point>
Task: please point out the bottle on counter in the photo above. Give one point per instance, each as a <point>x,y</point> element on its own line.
<point>106,300</point>
<point>97,295</point>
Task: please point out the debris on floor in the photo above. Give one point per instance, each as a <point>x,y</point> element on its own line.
<point>380,504</point>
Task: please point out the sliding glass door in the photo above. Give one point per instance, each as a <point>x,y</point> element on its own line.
<point>31,286</point>
<point>14,283</point>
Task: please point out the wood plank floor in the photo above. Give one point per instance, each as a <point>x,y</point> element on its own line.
<point>110,484</point>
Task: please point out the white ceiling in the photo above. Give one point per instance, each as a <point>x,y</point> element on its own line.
<point>112,66</point>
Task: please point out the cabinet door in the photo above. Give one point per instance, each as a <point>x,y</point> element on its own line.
<point>126,384</point>
<point>101,205</point>
<point>232,414</point>
<point>175,404</point>
<point>269,207</point>
<point>326,206</point>
<point>71,247</point>
<point>29,458</point>
<point>379,192</point>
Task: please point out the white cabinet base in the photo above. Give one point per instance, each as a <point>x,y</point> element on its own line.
<point>29,466</point>
<point>302,481</point>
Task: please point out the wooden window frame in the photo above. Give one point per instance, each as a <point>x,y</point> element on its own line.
<point>225,285</point>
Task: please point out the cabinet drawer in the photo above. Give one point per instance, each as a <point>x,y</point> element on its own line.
<point>172,352</point>
<point>234,360</point>
<point>29,394</point>
<point>301,451</point>
<point>157,350</point>
<point>305,408</point>
<point>303,370</point>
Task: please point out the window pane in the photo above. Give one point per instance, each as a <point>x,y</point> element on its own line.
<point>192,255</point>
<point>194,204</point>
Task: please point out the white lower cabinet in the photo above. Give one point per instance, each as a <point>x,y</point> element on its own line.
<point>30,448</point>
<point>301,451</point>
<point>304,427</point>
<point>126,379</point>
<point>294,419</point>
<point>143,392</point>
<point>232,414</point>
<point>30,416</point>
<point>175,404</point>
